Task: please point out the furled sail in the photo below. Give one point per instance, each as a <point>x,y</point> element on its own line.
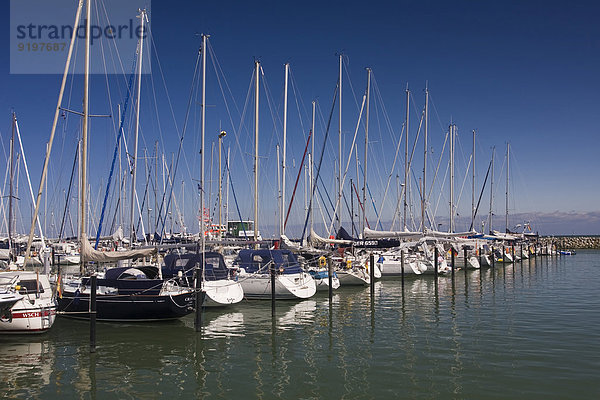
<point>88,253</point>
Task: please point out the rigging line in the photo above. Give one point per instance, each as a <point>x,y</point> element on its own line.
<point>441,189</point>
<point>409,168</point>
<point>237,206</point>
<point>62,224</point>
<point>320,159</point>
<point>352,147</point>
<point>372,200</point>
<point>480,196</point>
<point>115,152</point>
<point>349,212</point>
<point>462,187</point>
<point>361,205</point>
<point>297,178</point>
<point>300,116</point>
<point>189,105</point>
<point>323,201</point>
<point>437,167</point>
<point>387,186</point>
<point>236,131</point>
<point>346,63</point>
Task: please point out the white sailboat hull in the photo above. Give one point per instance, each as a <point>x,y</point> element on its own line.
<point>353,277</point>
<point>222,292</point>
<point>287,286</point>
<point>34,312</point>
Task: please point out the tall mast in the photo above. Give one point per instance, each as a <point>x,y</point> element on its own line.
<point>285,97</point>
<point>221,135</point>
<point>256,93</point>
<point>406,155</point>
<point>312,161</point>
<point>507,177</point>
<point>132,235</point>
<point>473,184</point>
<point>364,199</point>
<point>202,133</point>
<point>423,186</point>
<point>12,176</point>
<point>452,131</point>
<point>86,80</point>
<point>491,192</point>
<point>340,139</point>
<point>57,112</point>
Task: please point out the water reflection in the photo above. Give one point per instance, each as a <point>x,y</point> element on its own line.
<point>25,364</point>
<point>436,338</point>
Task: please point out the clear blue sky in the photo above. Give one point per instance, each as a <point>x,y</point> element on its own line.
<point>523,72</point>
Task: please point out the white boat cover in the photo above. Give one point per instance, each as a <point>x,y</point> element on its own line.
<point>88,253</point>
<point>431,232</point>
<point>316,240</point>
<point>372,234</point>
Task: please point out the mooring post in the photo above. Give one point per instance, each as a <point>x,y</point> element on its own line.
<point>372,273</point>
<point>452,258</point>
<point>402,269</point>
<point>521,253</point>
<point>330,278</point>
<point>465,255</point>
<point>272,269</point>
<point>435,263</point>
<point>493,257</point>
<point>198,290</point>
<point>53,260</point>
<point>93,285</point>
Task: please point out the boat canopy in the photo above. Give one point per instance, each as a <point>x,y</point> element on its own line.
<point>214,268</point>
<point>260,261</point>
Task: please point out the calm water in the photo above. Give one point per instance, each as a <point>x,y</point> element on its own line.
<point>531,331</point>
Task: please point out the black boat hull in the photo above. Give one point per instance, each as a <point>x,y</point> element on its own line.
<point>133,308</point>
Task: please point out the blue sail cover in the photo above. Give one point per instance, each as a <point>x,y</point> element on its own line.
<point>260,260</point>
<point>214,269</point>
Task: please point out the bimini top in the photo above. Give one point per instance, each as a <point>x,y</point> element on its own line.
<point>260,261</point>
<point>214,267</point>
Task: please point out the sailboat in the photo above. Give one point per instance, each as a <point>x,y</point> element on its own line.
<point>33,308</point>
<point>256,268</point>
<point>133,292</point>
<point>218,283</point>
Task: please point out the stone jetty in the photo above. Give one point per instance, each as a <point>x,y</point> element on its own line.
<point>573,242</point>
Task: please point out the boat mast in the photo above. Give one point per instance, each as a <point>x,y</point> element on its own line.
<point>256,93</point>
<point>423,200</point>
<point>473,184</point>
<point>507,176</point>
<point>312,161</point>
<point>221,136</point>
<point>202,134</point>
<point>406,155</point>
<point>452,132</point>
<point>83,159</point>
<point>364,199</point>
<point>12,175</point>
<point>340,137</point>
<point>132,234</point>
<point>57,112</point>
<point>491,192</point>
<point>285,98</point>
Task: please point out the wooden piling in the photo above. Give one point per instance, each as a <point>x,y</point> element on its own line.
<point>402,269</point>
<point>272,269</point>
<point>372,273</point>
<point>435,263</point>
<point>93,285</point>
<point>465,255</point>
